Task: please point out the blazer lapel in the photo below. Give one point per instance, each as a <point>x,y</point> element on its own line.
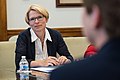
<point>33,49</point>
<point>49,48</point>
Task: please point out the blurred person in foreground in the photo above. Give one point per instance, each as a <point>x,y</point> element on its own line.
<point>102,27</point>
<point>39,43</point>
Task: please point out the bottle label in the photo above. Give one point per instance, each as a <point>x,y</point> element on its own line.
<point>23,67</point>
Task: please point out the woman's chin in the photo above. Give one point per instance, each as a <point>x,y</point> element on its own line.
<point>38,29</point>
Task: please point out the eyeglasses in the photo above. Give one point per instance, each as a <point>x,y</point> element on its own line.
<point>39,18</point>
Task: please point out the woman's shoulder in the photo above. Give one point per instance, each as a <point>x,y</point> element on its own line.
<point>25,34</point>
<point>53,30</point>
<point>54,33</point>
<point>26,31</point>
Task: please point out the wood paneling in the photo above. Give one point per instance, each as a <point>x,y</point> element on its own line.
<point>66,32</point>
<point>70,32</point>
<point>3,21</point>
<point>13,32</point>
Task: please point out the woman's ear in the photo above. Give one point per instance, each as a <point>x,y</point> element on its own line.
<point>46,20</point>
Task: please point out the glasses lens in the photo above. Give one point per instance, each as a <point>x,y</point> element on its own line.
<point>32,19</point>
<point>40,18</point>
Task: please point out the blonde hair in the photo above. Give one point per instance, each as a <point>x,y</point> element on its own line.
<point>38,9</point>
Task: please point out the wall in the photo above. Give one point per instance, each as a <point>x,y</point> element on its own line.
<point>59,17</point>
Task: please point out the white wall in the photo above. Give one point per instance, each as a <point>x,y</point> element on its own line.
<point>59,17</point>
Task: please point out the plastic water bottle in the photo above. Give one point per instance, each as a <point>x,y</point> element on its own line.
<point>24,75</point>
<point>23,64</point>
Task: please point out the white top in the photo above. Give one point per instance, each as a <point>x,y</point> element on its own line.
<point>40,53</point>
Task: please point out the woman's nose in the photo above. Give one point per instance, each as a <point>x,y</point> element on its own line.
<point>36,21</point>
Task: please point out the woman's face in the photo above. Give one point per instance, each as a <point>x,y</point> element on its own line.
<point>37,21</point>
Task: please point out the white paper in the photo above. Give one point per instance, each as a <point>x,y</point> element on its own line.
<point>45,69</point>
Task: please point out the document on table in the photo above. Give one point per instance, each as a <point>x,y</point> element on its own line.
<point>44,69</point>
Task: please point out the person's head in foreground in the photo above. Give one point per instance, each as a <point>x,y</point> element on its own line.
<point>102,27</point>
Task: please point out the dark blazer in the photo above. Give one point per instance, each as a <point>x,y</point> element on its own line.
<point>105,65</point>
<point>25,47</point>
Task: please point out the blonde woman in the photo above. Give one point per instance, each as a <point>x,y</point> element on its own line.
<point>39,43</point>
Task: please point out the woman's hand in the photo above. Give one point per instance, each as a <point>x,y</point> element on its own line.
<point>63,60</point>
<point>52,61</point>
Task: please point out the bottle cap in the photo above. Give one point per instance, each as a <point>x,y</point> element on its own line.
<point>23,56</point>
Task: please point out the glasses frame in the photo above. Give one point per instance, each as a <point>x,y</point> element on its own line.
<point>33,19</point>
